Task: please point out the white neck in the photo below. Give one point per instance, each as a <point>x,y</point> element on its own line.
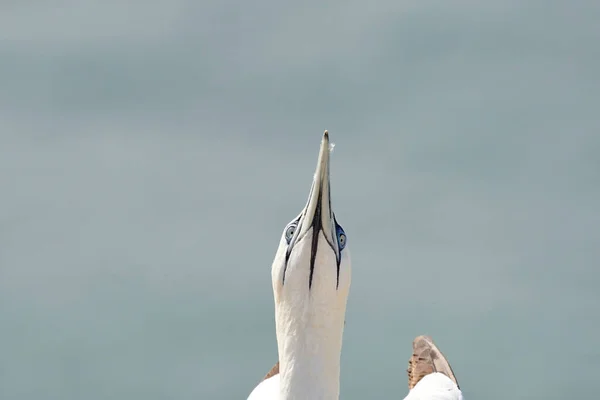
<point>310,345</point>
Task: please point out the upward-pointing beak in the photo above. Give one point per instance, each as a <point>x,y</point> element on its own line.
<point>317,216</point>
<point>318,213</point>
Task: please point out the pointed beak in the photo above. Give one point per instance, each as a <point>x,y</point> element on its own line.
<point>317,216</point>
<point>318,213</point>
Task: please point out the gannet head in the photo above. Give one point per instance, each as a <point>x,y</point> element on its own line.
<point>311,271</point>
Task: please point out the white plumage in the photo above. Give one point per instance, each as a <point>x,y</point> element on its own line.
<point>435,386</point>
<point>311,276</point>
<point>267,389</point>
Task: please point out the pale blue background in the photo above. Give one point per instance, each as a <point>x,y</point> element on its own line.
<point>151,152</point>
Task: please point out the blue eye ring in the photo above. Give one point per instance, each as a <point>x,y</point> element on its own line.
<point>289,232</point>
<point>341,237</point>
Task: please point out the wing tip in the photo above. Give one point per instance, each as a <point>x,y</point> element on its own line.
<point>273,371</point>
<point>426,359</point>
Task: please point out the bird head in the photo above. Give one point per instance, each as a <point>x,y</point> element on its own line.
<point>311,272</point>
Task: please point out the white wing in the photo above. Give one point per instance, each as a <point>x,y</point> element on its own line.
<point>266,390</point>
<point>435,386</point>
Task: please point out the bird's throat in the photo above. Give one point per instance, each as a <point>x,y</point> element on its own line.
<point>309,355</point>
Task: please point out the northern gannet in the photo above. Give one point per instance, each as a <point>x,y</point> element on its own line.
<point>311,276</point>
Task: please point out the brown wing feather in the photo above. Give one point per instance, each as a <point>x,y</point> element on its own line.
<point>273,371</point>
<point>426,359</point>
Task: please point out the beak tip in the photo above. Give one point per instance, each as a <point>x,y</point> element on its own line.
<point>326,134</point>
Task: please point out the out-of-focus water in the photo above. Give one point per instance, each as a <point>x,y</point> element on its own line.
<point>152,152</point>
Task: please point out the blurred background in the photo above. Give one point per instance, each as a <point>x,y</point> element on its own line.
<point>151,154</point>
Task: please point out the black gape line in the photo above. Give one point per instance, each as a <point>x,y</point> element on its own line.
<point>317,227</point>
<point>338,255</point>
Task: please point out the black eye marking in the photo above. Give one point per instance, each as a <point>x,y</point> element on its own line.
<point>289,235</point>
<point>289,232</point>
<point>341,238</point>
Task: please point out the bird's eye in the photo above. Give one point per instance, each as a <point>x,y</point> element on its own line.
<point>341,237</point>
<point>289,232</point>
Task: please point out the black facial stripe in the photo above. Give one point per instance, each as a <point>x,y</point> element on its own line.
<point>291,245</point>
<point>317,227</point>
<point>329,198</point>
<point>339,253</point>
